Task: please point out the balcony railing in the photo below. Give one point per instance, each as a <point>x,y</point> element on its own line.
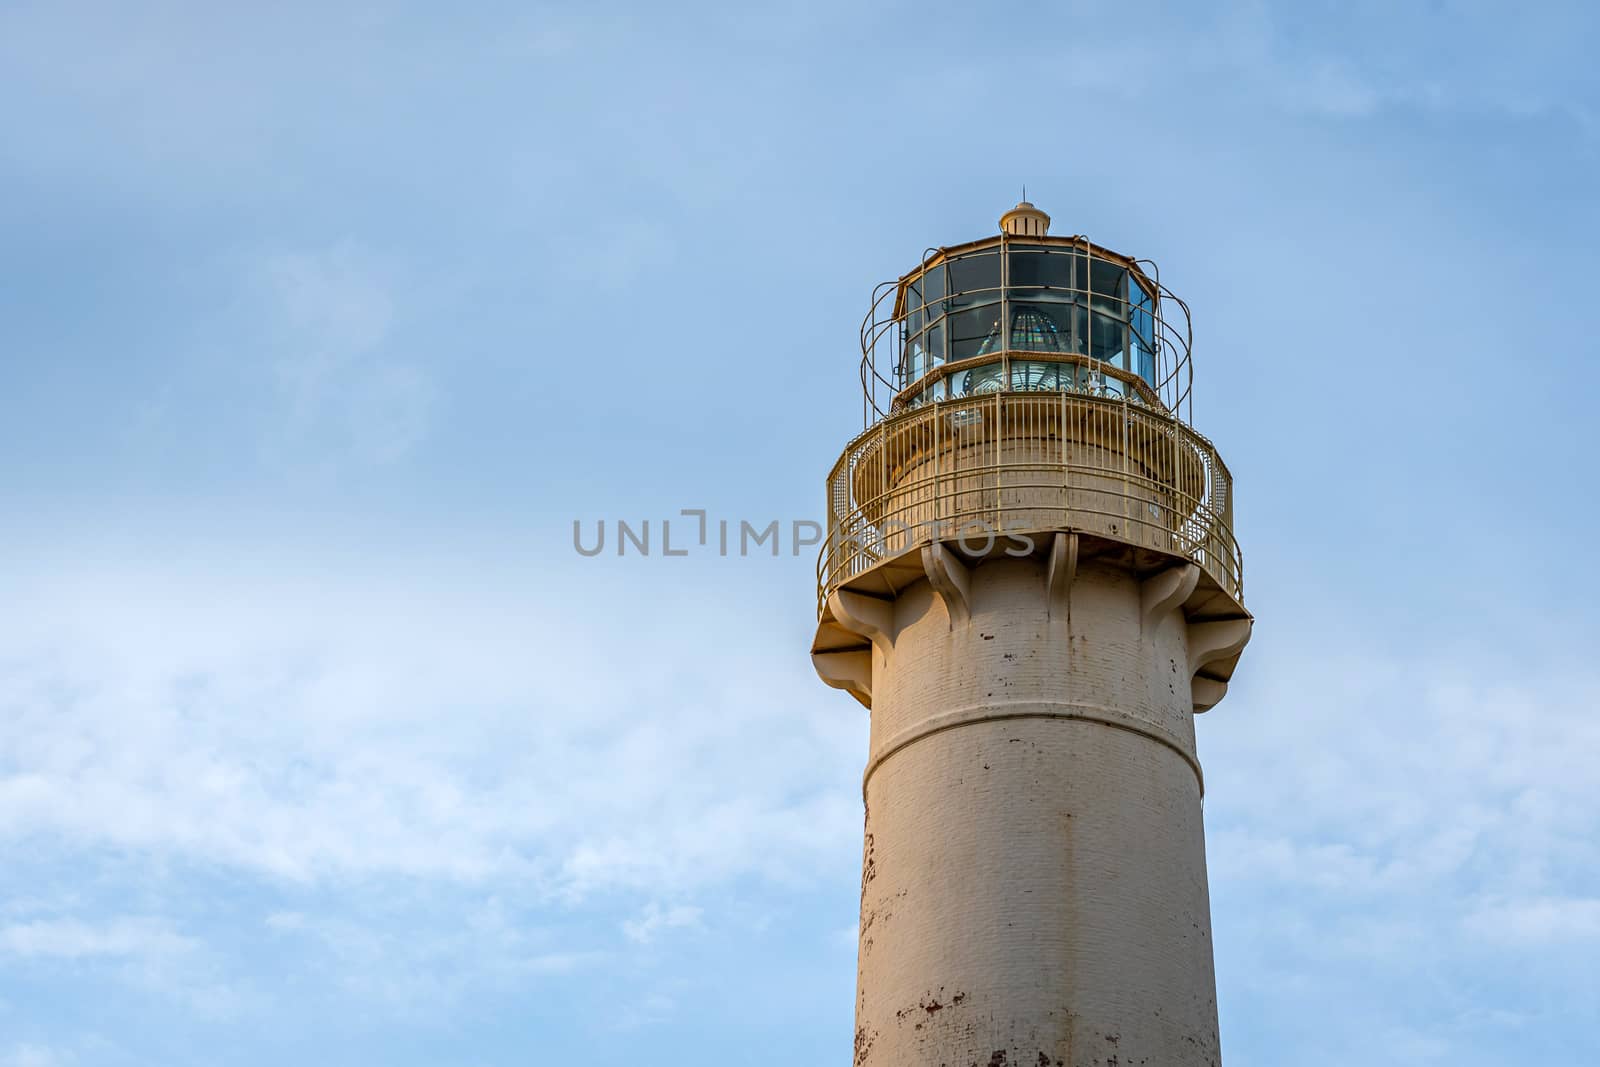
<point>1024,463</point>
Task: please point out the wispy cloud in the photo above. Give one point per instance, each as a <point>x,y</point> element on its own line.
<point>653,1008</point>
<point>1411,819</point>
<point>346,397</point>
<point>1260,52</point>
<point>1532,922</point>
<point>322,728</point>
<point>655,918</point>
<point>32,1055</point>
<point>76,939</point>
<point>409,961</point>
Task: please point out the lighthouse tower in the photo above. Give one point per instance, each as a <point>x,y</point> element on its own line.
<point>1030,579</point>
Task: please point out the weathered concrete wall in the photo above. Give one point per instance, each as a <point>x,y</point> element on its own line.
<point>1034,886</point>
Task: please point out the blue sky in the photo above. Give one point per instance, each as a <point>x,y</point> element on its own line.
<point>320,324</point>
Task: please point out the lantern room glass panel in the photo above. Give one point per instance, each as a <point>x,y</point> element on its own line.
<point>1039,269</point>
<point>974,278</point>
<point>1141,333</point>
<point>1107,340</point>
<point>974,332</point>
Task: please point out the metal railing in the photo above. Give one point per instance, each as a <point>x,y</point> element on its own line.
<point>1159,326</point>
<point>1016,463</point>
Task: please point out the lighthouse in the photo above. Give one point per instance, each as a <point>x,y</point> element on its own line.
<point>1030,579</point>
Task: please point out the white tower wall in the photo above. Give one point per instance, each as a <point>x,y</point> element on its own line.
<point>1034,886</point>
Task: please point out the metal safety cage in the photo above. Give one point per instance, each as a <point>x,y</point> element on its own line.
<point>1017,463</point>
<point>1026,314</point>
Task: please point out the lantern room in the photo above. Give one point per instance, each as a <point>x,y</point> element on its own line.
<point>1024,311</point>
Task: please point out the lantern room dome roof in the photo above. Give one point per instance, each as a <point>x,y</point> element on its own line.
<point>1025,220</point>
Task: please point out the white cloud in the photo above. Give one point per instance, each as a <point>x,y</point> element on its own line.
<point>461,727</point>
<point>470,726</point>
<point>418,959</point>
<point>75,939</point>
<point>1253,51</point>
<point>1537,921</point>
<point>334,296</point>
<point>32,1055</point>
<point>346,395</point>
<point>1398,832</point>
<point>142,953</point>
<point>650,922</point>
<point>652,1009</point>
<point>1373,773</point>
<point>436,780</point>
